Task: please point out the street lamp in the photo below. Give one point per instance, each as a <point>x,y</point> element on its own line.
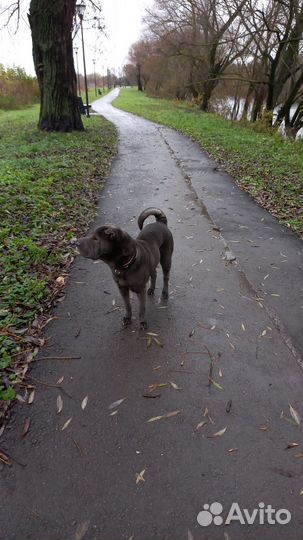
<point>80,10</point>
<point>94,62</point>
<point>78,75</point>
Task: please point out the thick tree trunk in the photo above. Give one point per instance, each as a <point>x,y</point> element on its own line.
<point>51,26</point>
<point>207,91</point>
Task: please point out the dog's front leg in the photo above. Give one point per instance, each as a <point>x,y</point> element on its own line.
<point>142,305</point>
<point>127,319</point>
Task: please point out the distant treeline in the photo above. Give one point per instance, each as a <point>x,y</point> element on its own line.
<point>17,89</point>
<point>204,50</point>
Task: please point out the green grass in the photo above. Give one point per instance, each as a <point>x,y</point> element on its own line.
<point>270,169</point>
<point>49,185</point>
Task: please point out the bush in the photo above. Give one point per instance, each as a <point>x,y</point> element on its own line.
<point>17,89</point>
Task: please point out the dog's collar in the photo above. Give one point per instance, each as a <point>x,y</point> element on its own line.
<point>125,266</point>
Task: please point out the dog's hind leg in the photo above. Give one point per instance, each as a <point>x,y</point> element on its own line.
<point>153,277</point>
<point>127,319</point>
<point>142,304</point>
<point>165,262</point>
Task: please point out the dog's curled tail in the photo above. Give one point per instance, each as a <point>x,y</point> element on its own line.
<point>159,215</point>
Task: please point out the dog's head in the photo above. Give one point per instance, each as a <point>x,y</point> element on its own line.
<point>102,243</point>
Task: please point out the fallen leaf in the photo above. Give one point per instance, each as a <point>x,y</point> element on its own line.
<point>167,415</point>
<point>232,346</point>
<point>301,492</point>
<point>243,327</point>
<point>151,334</point>
<point>291,445</point>
<point>191,333</point>
<point>149,342</point>
<point>66,424</point>
<point>26,427</point>
<point>156,340</point>
<point>200,425</point>
<point>60,280</point>
<point>5,459</point>
<point>263,428</point>
<point>31,397</point>
<point>218,433</point>
<point>220,373</point>
<point>154,386</point>
<point>81,530</point>
<point>173,413</point>
<point>216,384</point>
<point>113,413</point>
<point>233,450</point>
<point>155,418</point>
<point>175,386</point>
<point>59,404</point>
<point>299,455</point>
<point>59,381</point>
<point>116,403</point>
<point>295,415</point>
<point>84,403</point>
<point>140,476</point>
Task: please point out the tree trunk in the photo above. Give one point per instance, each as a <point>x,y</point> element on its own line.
<point>257,108</point>
<point>247,102</point>
<point>139,78</point>
<point>51,26</point>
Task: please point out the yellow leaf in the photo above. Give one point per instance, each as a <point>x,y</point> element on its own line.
<point>216,384</point>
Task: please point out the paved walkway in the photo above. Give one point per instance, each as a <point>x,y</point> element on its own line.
<point>241,315</point>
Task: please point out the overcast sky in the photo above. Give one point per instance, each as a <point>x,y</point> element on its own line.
<point>123,20</point>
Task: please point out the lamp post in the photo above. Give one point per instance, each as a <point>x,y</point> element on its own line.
<point>77,64</point>
<point>80,10</point>
<point>94,62</point>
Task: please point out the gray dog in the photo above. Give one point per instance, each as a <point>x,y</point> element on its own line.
<point>134,261</point>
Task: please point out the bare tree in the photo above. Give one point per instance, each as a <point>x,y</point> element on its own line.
<point>207,32</point>
<point>277,35</point>
<point>138,56</point>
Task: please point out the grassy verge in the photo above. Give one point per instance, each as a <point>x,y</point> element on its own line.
<point>49,185</point>
<point>270,169</point>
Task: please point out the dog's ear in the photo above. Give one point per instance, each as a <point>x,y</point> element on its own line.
<point>112,232</point>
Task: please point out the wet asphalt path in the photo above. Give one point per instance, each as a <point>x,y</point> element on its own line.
<point>81,482</point>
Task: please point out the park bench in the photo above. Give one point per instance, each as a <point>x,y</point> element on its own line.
<point>82,107</point>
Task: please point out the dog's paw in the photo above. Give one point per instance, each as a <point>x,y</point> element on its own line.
<point>150,292</point>
<point>164,295</point>
<point>126,321</point>
<point>143,325</point>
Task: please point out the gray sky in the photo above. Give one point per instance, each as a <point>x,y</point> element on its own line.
<point>123,20</point>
